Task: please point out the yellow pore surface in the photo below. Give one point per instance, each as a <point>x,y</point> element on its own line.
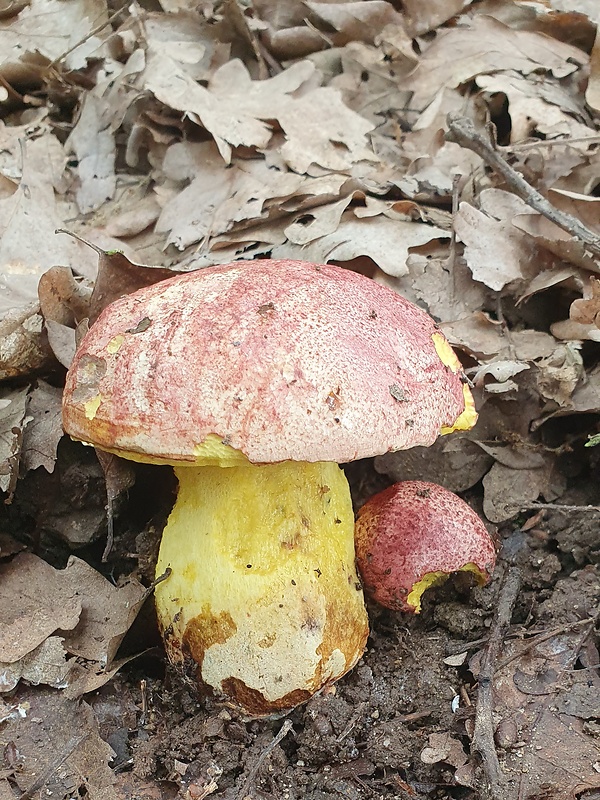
<point>263,591</point>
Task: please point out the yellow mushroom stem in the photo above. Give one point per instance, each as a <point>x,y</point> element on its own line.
<point>263,594</point>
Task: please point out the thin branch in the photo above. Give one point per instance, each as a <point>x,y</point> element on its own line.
<point>483,735</point>
<point>463,132</point>
<point>47,774</point>
<point>544,637</point>
<point>284,730</point>
<point>519,147</point>
<point>87,36</point>
<point>558,507</point>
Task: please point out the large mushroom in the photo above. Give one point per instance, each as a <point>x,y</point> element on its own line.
<point>255,380</point>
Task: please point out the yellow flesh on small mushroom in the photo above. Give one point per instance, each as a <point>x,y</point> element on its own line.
<point>432,578</point>
<point>263,592</point>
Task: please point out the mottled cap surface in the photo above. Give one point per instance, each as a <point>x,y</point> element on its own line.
<point>281,360</point>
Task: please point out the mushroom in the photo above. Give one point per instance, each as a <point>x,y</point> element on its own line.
<point>413,535</point>
<point>254,380</point>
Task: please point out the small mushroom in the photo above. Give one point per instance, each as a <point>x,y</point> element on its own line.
<point>413,535</point>
<point>254,380</point>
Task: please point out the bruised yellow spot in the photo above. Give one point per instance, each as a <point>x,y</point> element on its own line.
<point>92,406</point>
<point>433,578</point>
<point>468,417</point>
<point>115,344</point>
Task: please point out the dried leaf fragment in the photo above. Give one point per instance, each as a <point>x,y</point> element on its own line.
<point>44,430</point>
<point>34,602</point>
<point>13,408</point>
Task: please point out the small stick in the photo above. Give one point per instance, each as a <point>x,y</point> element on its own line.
<point>566,142</point>
<point>483,735</point>
<point>147,592</point>
<point>544,637</point>
<point>559,507</point>
<point>451,260</point>
<point>463,132</point>
<point>351,722</point>
<point>284,730</point>
<point>87,36</point>
<point>43,779</point>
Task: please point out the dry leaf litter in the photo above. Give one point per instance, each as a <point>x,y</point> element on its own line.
<point>168,136</point>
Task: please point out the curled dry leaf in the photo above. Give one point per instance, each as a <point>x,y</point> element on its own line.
<point>587,310</point>
<point>91,613</point>
<point>56,729</point>
<point>23,350</point>
<point>478,47</point>
<point>387,242</point>
<point>512,253</point>
<point>35,602</point>
<point>53,30</point>
<point>508,491</point>
<point>44,429</point>
<point>64,302</point>
<point>46,664</point>
<point>571,331</point>
<point>543,108</point>
<point>444,747</point>
<point>454,462</point>
<point>118,276</point>
<point>217,198</point>
<point>560,373</point>
<point>26,252</point>
<point>107,611</point>
<point>356,21</point>
<point>233,108</point>
<point>13,409</point>
<point>547,234</point>
<point>63,299</point>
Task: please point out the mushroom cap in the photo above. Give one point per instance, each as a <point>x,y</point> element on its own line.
<point>280,360</point>
<point>413,534</point>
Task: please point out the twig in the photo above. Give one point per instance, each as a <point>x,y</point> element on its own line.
<point>543,637</point>
<point>284,730</point>
<point>147,592</point>
<point>483,735</point>
<point>559,507</point>
<point>351,722</point>
<point>43,779</point>
<point>451,260</point>
<point>457,648</point>
<point>566,142</point>
<point>87,36</point>
<point>463,132</point>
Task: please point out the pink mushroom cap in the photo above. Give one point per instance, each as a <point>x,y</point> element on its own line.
<point>282,360</point>
<point>413,535</point>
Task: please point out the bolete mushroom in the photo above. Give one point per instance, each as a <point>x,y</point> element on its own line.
<point>255,380</point>
<point>414,535</point>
